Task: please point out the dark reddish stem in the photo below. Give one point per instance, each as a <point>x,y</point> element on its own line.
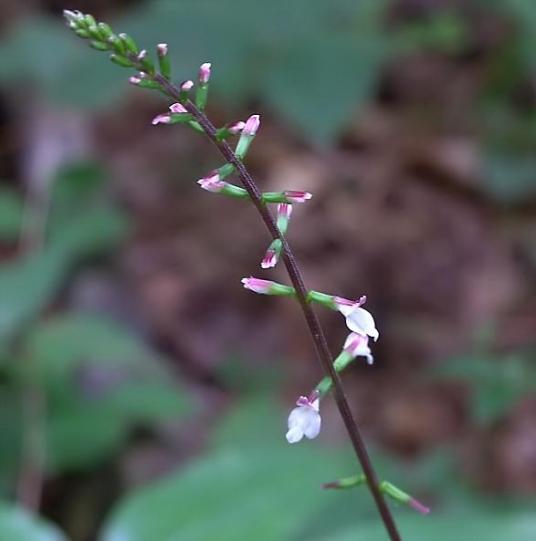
<point>311,318</point>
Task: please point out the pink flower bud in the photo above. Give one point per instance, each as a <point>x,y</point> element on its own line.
<point>187,86</point>
<point>162,49</point>
<point>134,80</point>
<point>284,210</point>
<point>258,285</point>
<point>163,118</point>
<point>252,125</point>
<point>237,127</point>
<point>297,196</point>
<point>418,506</point>
<point>212,183</point>
<point>270,259</point>
<point>177,108</point>
<point>142,54</point>
<point>204,73</point>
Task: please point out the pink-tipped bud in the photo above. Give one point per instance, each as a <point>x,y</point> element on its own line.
<point>162,49</point>
<point>134,80</point>
<point>295,196</point>
<point>237,127</point>
<point>270,259</point>
<point>142,54</point>
<point>163,118</point>
<point>177,108</point>
<point>187,86</point>
<point>284,210</point>
<point>252,125</point>
<point>212,183</point>
<point>418,506</point>
<point>204,73</point>
<point>258,285</point>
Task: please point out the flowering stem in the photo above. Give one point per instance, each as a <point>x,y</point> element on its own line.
<point>311,318</point>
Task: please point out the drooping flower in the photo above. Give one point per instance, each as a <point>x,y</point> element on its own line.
<point>304,420</point>
<point>358,319</point>
<point>357,346</point>
<point>270,259</point>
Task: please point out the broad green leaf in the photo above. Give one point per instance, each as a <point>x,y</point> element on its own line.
<point>99,376</point>
<point>10,214</point>
<point>16,524</point>
<point>314,62</point>
<point>476,525</point>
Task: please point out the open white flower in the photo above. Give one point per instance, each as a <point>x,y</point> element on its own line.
<point>304,420</point>
<point>359,320</point>
<point>357,346</point>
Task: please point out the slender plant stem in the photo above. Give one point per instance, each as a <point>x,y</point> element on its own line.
<point>311,318</point>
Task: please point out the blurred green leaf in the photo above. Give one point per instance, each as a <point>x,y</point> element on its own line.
<point>486,526</point>
<point>497,384</point>
<point>10,214</point>
<point>253,485</point>
<point>16,524</point>
<point>82,225</point>
<point>315,62</point>
<point>99,381</point>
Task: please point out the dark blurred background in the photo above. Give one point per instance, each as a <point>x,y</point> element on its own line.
<point>144,392</point>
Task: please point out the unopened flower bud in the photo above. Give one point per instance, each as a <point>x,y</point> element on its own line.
<point>294,196</point>
<point>237,127</point>
<point>162,49</point>
<point>142,54</point>
<point>267,287</point>
<point>134,80</point>
<point>204,73</point>
<point>177,108</point>
<point>186,86</point>
<point>163,118</point>
<point>251,126</point>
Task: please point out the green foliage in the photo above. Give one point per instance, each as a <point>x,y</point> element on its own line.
<point>17,524</point>
<point>496,384</point>
<point>314,62</point>
<point>81,226</point>
<point>99,382</point>
<point>253,485</point>
<point>10,214</point>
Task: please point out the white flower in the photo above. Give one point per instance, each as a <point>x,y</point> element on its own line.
<point>304,420</point>
<point>359,320</point>
<point>357,346</point>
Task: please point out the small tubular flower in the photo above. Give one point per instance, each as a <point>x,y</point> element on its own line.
<point>357,346</point>
<point>304,420</point>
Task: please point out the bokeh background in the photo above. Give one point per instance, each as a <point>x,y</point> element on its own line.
<point>144,392</point>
